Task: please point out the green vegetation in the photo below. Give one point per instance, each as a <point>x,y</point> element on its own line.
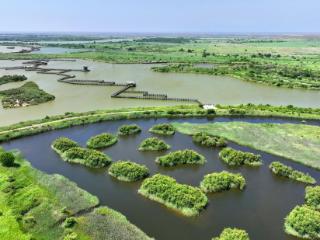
<point>183,111</point>
<point>101,141</point>
<point>313,197</point>
<point>233,234</point>
<point>207,140</point>
<point>186,199</point>
<point>128,171</point>
<point>70,151</point>
<point>35,205</point>
<point>12,78</point>
<point>298,142</point>
<point>153,144</point>
<point>238,158</point>
<point>126,130</point>
<point>26,95</point>
<point>162,129</point>
<point>303,222</point>
<point>222,181</point>
<point>280,169</point>
<point>180,158</point>
<point>7,159</point>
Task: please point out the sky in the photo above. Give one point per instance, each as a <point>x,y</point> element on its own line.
<point>168,16</point>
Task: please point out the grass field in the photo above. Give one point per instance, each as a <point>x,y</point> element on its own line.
<point>298,142</point>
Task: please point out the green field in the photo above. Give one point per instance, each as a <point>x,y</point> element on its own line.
<point>298,142</point>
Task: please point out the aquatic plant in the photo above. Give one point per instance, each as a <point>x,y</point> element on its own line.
<point>12,78</point>
<point>126,130</point>
<point>128,171</point>
<point>181,157</point>
<point>153,144</point>
<point>62,144</point>
<point>312,197</point>
<point>207,140</point>
<point>163,129</point>
<point>237,158</point>
<point>233,234</point>
<point>101,141</point>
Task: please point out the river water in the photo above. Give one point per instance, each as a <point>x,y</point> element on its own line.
<point>260,209</point>
<point>208,89</point>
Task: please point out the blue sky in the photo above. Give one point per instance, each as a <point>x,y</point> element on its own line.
<point>160,16</point>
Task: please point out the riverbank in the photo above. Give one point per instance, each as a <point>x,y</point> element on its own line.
<point>297,142</point>
<point>185,111</point>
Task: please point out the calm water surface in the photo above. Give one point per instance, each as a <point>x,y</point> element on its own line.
<point>260,208</point>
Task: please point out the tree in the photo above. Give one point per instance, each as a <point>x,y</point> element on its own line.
<point>7,159</point>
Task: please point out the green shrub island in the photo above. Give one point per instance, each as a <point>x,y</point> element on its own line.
<point>162,129</point>
<point>181,157</point>
<point>222,181</point>
<point>26,95</point>
<point>238,158</point>
<point>7,159</point>
<point>185,199</point>
<point>12,78</point>
<point>128,171</point>
<point>303,222</point>
<point>126,130</point>
<point>288,172</point>
<point>101,141</point>
<point>153,144</point>
<point>70,151</point>
<point>233,234</point>
<point>313,196</point>
<point>207,140</point>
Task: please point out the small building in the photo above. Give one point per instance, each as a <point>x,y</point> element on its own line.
<point>208,106</point>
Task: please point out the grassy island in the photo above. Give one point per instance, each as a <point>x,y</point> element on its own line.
<point>128,171</point>
<point>153,144</point>
<point>35,205</point>
<point>207,140</point>
<point>12,78</point>
<point>180,158</point>
<point>217,182</point>
<point>233,234</point>
<point>126,130</point>
<point>234,157</point>
<point>101,141</point>
<point>303,222</point>
<point>283,170</point>
<point>162,129</point>
<point>298,142</point>
<point>313,196</point>
<point>26,95</point>
<point>70,151</point>
<point>185,199</point>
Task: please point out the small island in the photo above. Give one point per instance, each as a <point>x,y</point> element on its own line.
<point>128,171</point>
<point>313,197</point>
<point>233,234</point>
<point>102,141</point>
<point>153,144</point>
<point>162,129</point>
<point>27,95</point>
<point>222,181</point>
<point>236,158</point>
<point>186,199</point>
<point>126,130</point>
<point>181,157</point>
<point>282,170</point>
<point>12,78</point>
<point>69,151</point>
<point>207,140</point>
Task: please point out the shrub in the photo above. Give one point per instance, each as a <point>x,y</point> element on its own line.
<point>69,222</point>
<point>162,129</point>
<point>126,130</point>
<point>208,140</point>
<point>186,199</point>
<point>101,141</point>
<point>12,78</point>
<point>233,234</point>
<point>153,144</point>
<point>217,182</point>
<point>7,159</point>
<point>128,171</point>
<point>181,157</point>
<point>303,222</point>
<point>88,157</point>
<point>237,158</point>
<point>288,172</point>
<point>313,197</point>
<point>63,144</point>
